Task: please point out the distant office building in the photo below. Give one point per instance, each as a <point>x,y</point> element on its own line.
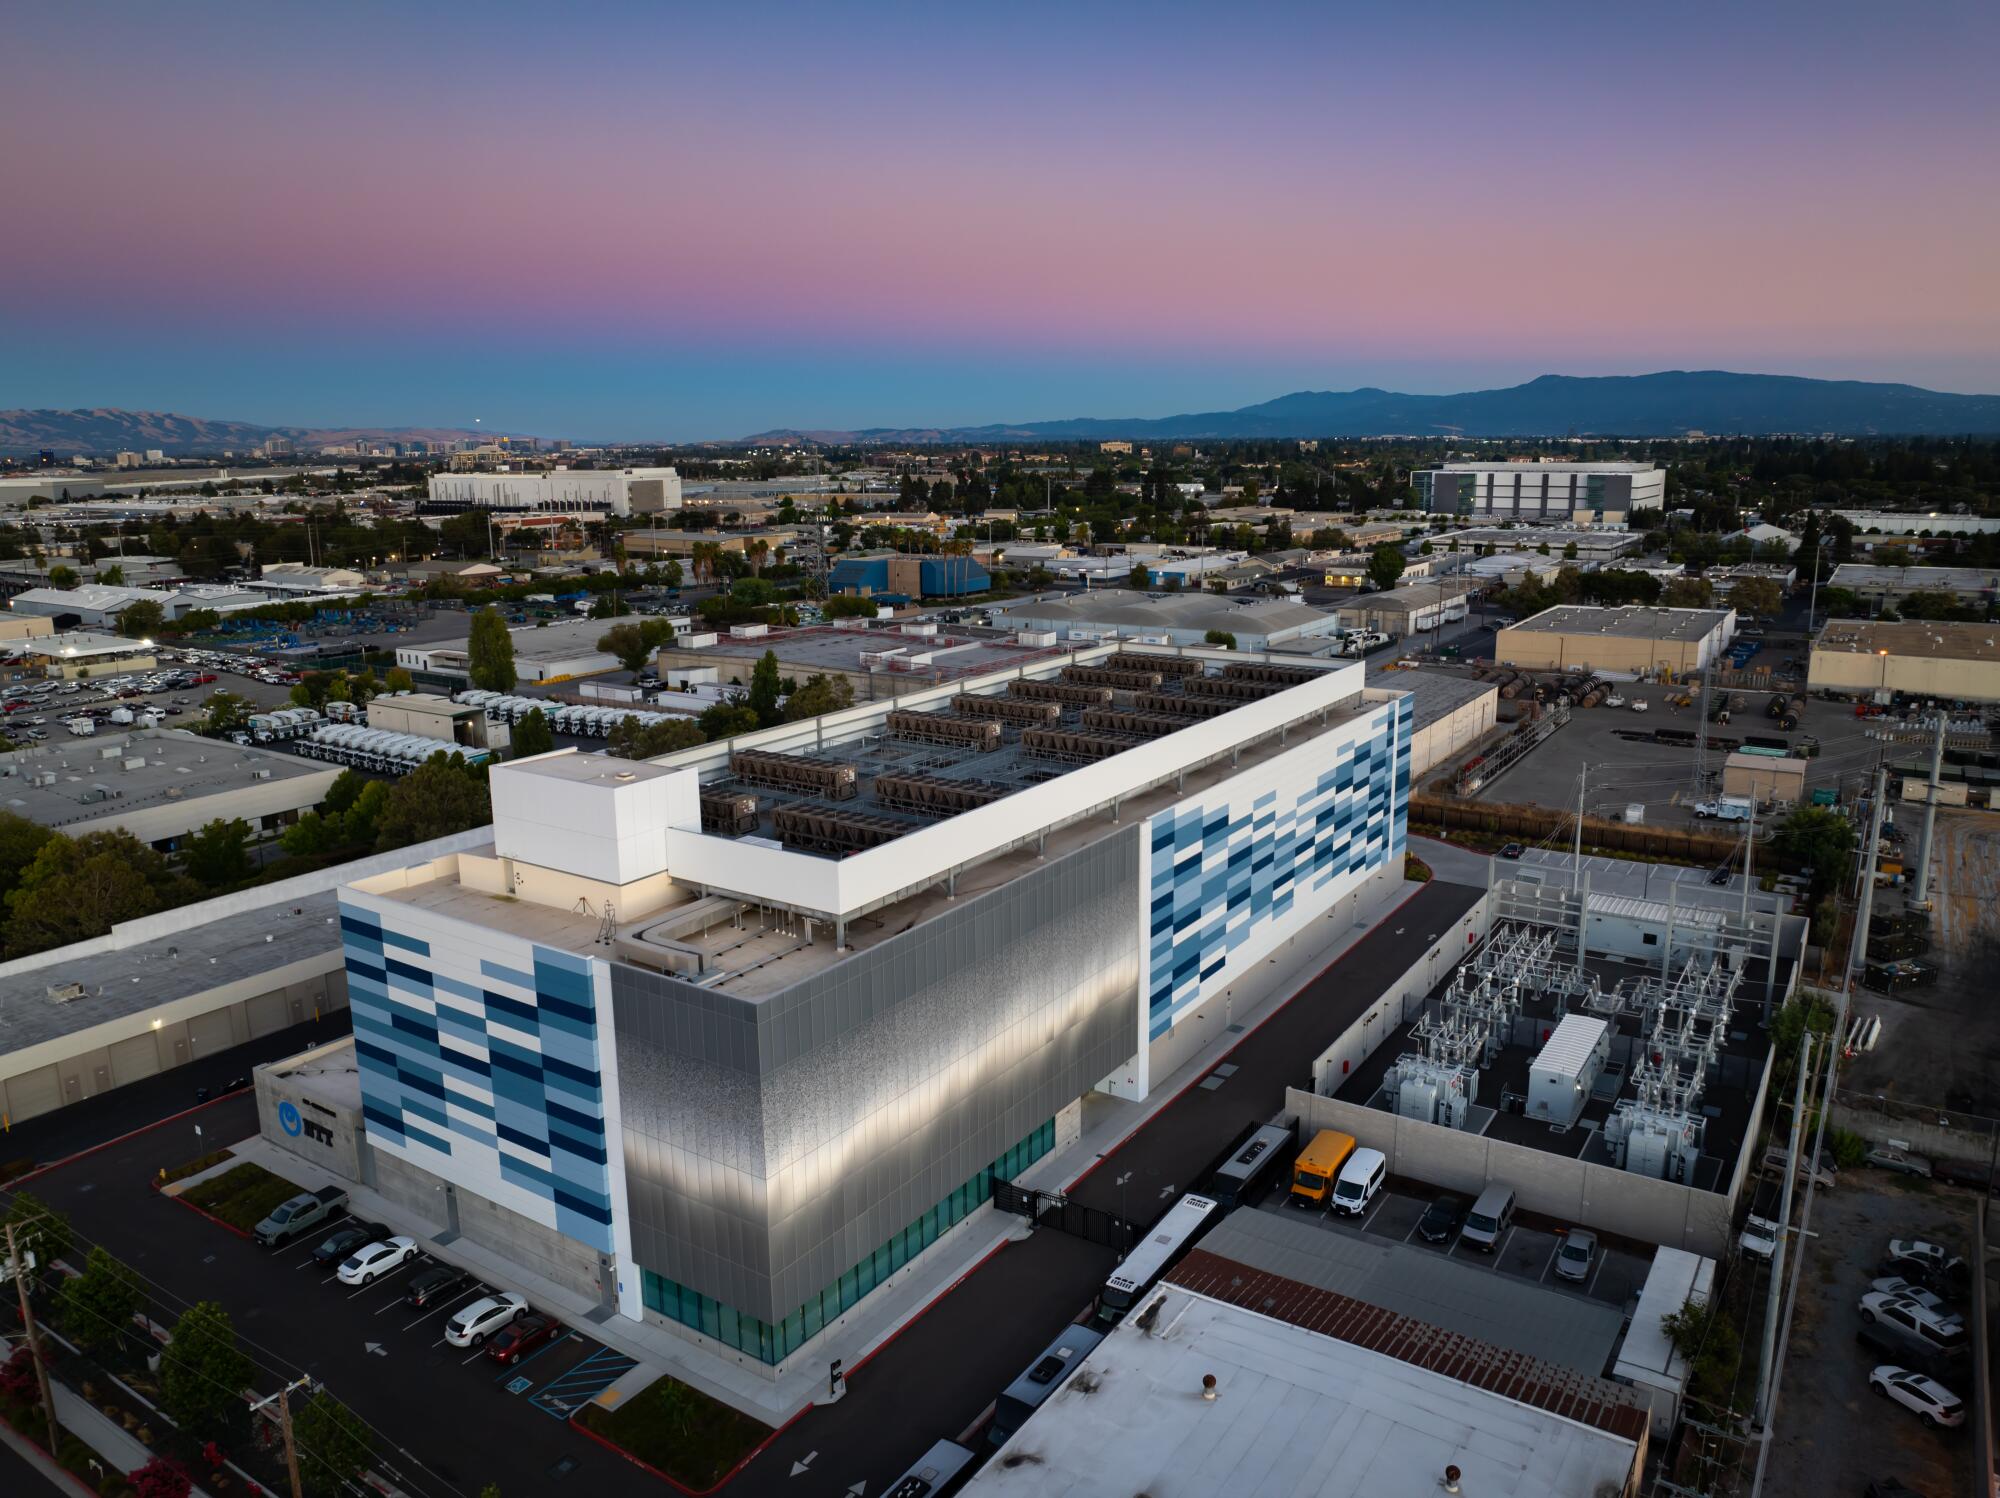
<point>130,460</point>
<point>909,577</point>
<point>1543,493</point>
<point>279,447</point>
<point>156,455</point>
<point>616,491</point>
<point>1115,447</point>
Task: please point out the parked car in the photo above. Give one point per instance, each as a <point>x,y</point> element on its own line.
<point>485,1316</point>
<point>1938,1406</point>
<point>1915,1323</point>
<point>300,1214</point>
<point>1887,1157</point>
<point>1577,1254</point>
<point>1441,1219</point>
<point>366,1265</point>
<point>435,1285</point>
<point>1512,850</point>
<point>1885,1346</point>
<point>1910,1289</point>
<point>522,1336</point>
<point>344,1239</point>
<point>1927,1263</point>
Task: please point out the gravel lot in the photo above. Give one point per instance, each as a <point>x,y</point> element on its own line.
<point>1833,1433</point>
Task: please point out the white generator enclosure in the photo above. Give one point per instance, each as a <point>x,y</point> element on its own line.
<point>1562,1074</point>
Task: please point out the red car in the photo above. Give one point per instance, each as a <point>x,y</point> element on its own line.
<point>522,1336</point>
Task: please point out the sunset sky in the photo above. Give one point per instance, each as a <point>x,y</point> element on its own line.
<point>652,220</point>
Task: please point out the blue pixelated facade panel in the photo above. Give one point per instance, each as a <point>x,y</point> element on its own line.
<point>1279,842</point>
<point>483,1071</point>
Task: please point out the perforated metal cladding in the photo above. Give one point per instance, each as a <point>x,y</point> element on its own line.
<point>771,1145</point>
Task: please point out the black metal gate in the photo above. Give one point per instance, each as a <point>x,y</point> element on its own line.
<point>1051,1209</point>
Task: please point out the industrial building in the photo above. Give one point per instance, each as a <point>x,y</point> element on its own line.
<point>881,661</point>
<point>297,580</point>
<point>1598,546</point>
<point>1410,609</point>
<point>1917,524</point>
<point>1625,639</point>
<point>1916,657</point>
<point>1544,492</point>
<point>908,577</point>
<point>726,1040</point>
<point>542,652</point>
<point>17,628</point>
<point>613,491</point>
<point>1171,619</point>
<point>429,716</point>
<point>659,546</point>
<point>1267,1365</point>
<point>87,606</point>
<point>1781,575</point>
<point>1886,587</point>
<point>1449,713</point>
<point>79,653</point>
<point>159,784</point>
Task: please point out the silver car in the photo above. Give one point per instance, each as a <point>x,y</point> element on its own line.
<point>1577,1254</point>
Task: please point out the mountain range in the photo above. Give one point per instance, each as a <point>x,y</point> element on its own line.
<point>1671,403</point>
<point>107,429</point>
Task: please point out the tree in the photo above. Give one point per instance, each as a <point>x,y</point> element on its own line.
<point>198,621</point>
<point>20,841</point>
<point>218,854</point>
<point>441,796</point>
<point>1385,565</point>
<point>226,713</point>
<point>203,1374</point>
<point>112,576</point>
<point>1756,597</point>
<point>848,606</point>
<point>334,1445</point>
<point>162,1477</point>
<point>78,888</point>
<point>62,576</point>
<point>1821,839</point>
<point>1139,577</point>
<point>727,719</point>
<point>765,687</point>
<point>532,735</point>
<point>310,835</point>
<point>490,652</point>
<point>820,694</point>
<point>1221,637</point>
<point>99,1304</point>
<point>39,1229</point>
<point>672,573</point>
<point>1687,593</point>
<point>142,620</point>
<point>632,740</point>
<point>633,644</point>
<point>399,680</point>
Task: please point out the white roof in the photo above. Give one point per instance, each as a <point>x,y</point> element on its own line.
<point>1648,1354</point>
<point>1655,912</point>
<point>1296,1415</point>
<point>1571,1043</point>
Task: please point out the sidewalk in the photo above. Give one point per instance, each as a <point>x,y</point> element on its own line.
<point>110,1440</point>
<point>736,1379</point>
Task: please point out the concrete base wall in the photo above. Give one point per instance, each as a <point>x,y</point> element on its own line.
<point>1570,1191</point>
<point>1971,1144</point>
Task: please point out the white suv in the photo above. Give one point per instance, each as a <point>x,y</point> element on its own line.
<point>1929,1398</point>
<point>483,1318</point>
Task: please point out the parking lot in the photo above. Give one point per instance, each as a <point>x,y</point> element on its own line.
<point>448,1420</point>
<point>1527,1250</point>
<point>1828,1420</point>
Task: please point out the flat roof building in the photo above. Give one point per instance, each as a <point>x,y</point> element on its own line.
<point>1975,587</point>
<point>730,1037</point>
<point>1916,657</point>
<point>616,491</point>
<point>1591,545</point>
<point>542,652</point>
<point>89,605</point>
<point>1918,523</point>
<point>79,653</point>
<point>295,579</point>
<point>159,784</point>
<point>875,662</point>
<point>1625,638</point>
<point>1410,609</point>
<point>1174,619</point>
<point>1543,492</point>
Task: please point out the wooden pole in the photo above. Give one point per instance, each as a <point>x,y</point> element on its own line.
<point>34,1343</point>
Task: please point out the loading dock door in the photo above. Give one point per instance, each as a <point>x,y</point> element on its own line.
<point>134,1059</point>
<point>32,1093</point>
<point>268,1012</point>
<point>209,1033</point>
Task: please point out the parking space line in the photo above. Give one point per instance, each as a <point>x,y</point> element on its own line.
<point>477,1352</point>
<point>1500,1248</point>
<point>380,1279</point>
<point>446,1305</point>
<point>1373,1212</point>
<point>509,1370</point>
<point>1591,1288</point>
<point>1543,1277</point>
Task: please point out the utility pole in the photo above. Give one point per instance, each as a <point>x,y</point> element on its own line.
<point>34,1340</point>
<point>1860,947</point>
<point>1750,847</point>
<point>1923,890</point>
<point>1576,867</point>
<point>1701,734</point>
<point>1778,1249</point>
<point>283,1399</point>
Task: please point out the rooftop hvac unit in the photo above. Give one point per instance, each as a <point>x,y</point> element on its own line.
<point>260,774</point>
<point>136,762</point>
<point>67,993</point>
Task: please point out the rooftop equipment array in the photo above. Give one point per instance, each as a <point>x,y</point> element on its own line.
<point>980,735</point>
<point>1011,710</point>
<point>827,829</point>
<point>1067,693</point>
<point>937,795</point>
<point>1118,681</point>
<point>802,774</point>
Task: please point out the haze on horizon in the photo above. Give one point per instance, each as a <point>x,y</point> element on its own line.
<point>641,221</point>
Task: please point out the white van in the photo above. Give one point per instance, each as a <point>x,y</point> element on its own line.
<point>1487,1223</point>
<point>1360,1179</point>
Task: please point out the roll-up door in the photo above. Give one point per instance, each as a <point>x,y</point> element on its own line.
<point>32,1093</point>
<point>209,1033</point>
<point>133,1059</point>
<point>268,1012</point>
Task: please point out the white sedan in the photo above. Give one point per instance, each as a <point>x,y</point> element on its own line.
<point>377,1259</point>
<point>1929,1398</point>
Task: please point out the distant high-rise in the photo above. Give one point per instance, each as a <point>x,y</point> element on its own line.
<point>278,447</point>
<point>1543,492</point>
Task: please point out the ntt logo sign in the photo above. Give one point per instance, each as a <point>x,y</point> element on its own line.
<point>289,1120</point>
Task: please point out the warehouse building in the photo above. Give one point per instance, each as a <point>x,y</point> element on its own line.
<point>1591,545</point>
<point>662,546</point>
<point>1917,524</point>
<point>613,491</point>
<point>1544,493</point>
<point>908,576</point>
<point>1626,639</point>
<point>80,653</point>
<point>738,1034</point>
<point>912,656</point>
<point>89,605</point>
<point>542,652</point>
<point>1916,657</point>
<point>159,784</point>
<point>1171,619</point>
<point>1410,609</point>
<point>297,580</point>
<point>1886,587</point>
<point>1449,713</point>
<point>430,716</point>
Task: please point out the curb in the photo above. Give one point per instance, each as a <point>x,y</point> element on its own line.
<point>1419,886</point>
<point>645,1466</point>
<point>9,1435</point>
<point>228,1227</point>
<point>83,1154</point>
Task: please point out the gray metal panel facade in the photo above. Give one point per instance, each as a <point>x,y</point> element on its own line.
<point>771,1145</point>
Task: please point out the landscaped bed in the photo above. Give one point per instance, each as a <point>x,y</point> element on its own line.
<point>241,1196</point>
<point>695,1440</point>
